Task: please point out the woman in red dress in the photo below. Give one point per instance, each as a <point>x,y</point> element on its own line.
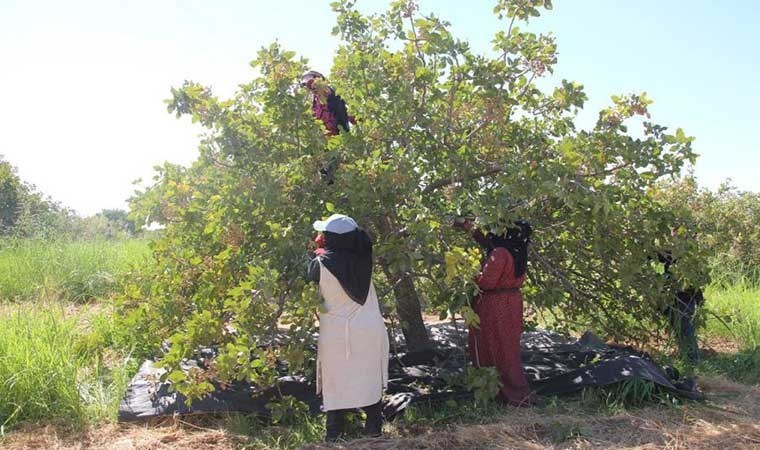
<point>496,343</point>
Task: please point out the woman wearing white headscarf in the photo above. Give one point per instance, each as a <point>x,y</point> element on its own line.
<point>352,355</point>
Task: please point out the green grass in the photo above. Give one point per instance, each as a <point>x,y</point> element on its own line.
<point>58,362</point>
<point>299,431</point>
<point>75,271</point>
<point>53,370</point>
<point>733,312</point>
<point>743,366</point>
<point>452,411</point>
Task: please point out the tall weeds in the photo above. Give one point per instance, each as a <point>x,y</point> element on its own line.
<point>733,311</point>
<point>69,270</point>
<point>48,372</point>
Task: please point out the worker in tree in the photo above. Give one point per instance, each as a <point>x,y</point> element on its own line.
<point>330,108</point>
<point>682,311</point>
<point>326,105</point>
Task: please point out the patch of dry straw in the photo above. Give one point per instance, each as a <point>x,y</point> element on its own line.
<point>729,420</point>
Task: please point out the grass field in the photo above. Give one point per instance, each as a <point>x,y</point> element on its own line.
<point>57,358</point>
<point>74,271</point>
<point>54,366</point>
<point>737,308</point>
<point>732,314</point>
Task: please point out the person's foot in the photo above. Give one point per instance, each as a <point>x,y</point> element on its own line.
<point>373,427</point>
<point>333,438</point>
<point>336,426</point>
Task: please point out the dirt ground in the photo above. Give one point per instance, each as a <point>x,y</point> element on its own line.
<point>729,420</point>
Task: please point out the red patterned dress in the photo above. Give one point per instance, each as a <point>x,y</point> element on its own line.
<point>497,342</point>
<point>332,112</point>
<point>322,112</point>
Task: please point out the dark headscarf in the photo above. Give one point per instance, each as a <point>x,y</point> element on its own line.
<point>348,257</point>
<point>335,104</point>
<point>686,295</point>
<point>516,241</point>
<point>337,107</point>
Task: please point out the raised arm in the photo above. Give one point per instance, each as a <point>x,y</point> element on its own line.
<point>480,238</point>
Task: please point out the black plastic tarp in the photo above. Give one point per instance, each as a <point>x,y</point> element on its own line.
<point>554,365</point>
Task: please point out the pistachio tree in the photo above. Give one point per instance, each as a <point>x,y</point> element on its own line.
<point>443,131</point>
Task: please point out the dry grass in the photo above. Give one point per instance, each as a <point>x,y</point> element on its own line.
<point>165,436</point>
<point>730,420</point>
<point>719,344</point>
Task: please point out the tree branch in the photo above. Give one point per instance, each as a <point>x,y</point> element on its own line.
<point>569,285</point>
<point>280,308</point>
<point>605,172</point>
<point>494,169</point>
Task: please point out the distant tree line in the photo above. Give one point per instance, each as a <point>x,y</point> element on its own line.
<point>726,223</point>
<point>25,212</point>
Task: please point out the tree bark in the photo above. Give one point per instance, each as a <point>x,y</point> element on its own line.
<point>407,300</point>
<point>409,311</point>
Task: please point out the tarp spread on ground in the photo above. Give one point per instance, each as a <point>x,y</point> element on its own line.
<point>553,363</point>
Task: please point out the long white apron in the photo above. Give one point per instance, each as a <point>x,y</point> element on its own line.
<point>352,355</point>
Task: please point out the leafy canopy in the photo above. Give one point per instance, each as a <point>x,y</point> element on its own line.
<point>443,131</point>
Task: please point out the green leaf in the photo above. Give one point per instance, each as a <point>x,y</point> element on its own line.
<point>176,376</point>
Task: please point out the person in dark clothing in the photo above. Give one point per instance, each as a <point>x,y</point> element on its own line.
<point>496,343</point>
<point>330,108</point>
<point>681,313</point>
<point>326,104</point>
<point>352,351</point>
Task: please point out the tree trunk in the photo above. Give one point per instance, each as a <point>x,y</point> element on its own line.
<point>409,311</point>
<point>407,300</point>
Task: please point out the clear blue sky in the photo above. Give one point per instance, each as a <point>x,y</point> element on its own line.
<point>82,82</point>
